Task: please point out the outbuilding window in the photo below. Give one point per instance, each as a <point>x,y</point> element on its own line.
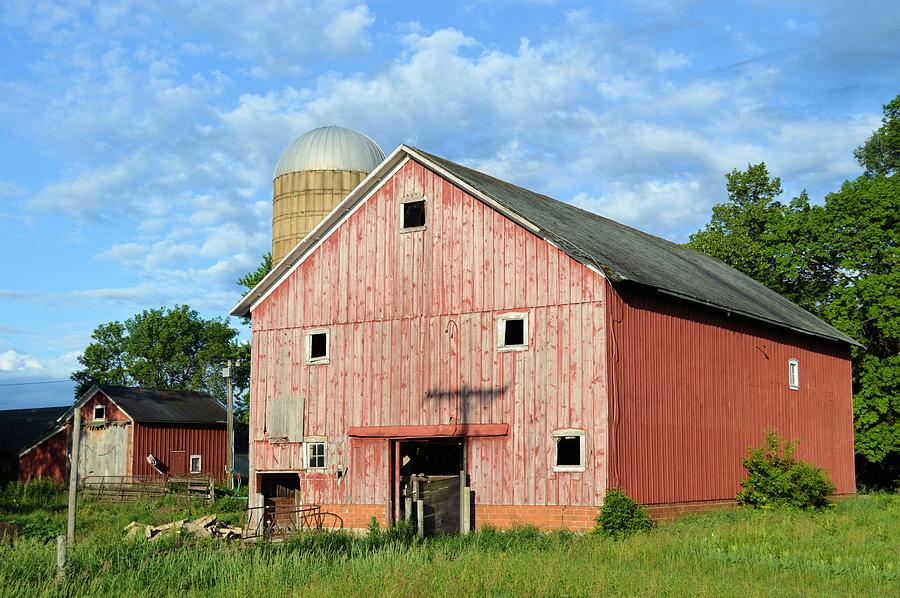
<point>794,374</point>
<point>315,454</point>
<point>412,214</point>
<point>317,346</point>
<point>99,412</point>
<point>196,464</point>
<point>512,332</point>
<point>570,450</point>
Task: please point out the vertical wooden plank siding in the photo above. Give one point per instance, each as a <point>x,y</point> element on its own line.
<point>412,323</point>
<point>207,441</point>
<point>46,460</point>
<point>691,389</point>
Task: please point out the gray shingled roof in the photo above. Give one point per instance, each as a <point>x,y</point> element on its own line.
<point>627,254</point>
<point>18,427</point>
<point>147,406</point>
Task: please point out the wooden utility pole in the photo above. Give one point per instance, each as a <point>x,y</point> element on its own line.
<point>226,373</point>
<point>73,474</point>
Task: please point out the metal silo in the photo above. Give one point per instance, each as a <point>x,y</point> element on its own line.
<point>314,173</point>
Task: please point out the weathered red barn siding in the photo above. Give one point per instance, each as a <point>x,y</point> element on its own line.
<point>412,324</point>
<point>47,459</point>
<point>113,413</point>
<point>207,441</point>
<point>691,389</point>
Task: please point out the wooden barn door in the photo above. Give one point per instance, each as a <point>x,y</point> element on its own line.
<point>177,463</point>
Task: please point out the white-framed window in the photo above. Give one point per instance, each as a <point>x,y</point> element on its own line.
<point>196,464</point>
<point>99,412</point>
<point>317,342</point>
<point>512,332</point>
<point>794,374</point>
<point>570,450</point>
<point>314,453</point>
<point>413,213</point>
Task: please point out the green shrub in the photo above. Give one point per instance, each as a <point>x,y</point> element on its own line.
<point>776,479</point>
<point>620,516</point>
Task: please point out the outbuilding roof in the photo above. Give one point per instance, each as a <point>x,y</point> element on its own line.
<point>18,427</point>
<point>148,406</point>
<point>622,253</point>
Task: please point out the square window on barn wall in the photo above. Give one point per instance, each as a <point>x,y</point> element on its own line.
<point>196,464</point>
<point>570,450</point>
<point>99,412</point>
<point>412,214</point>
<point>512,332</point>
<point>317,346</point>
<point>315,454</point>
<point>794,374</point>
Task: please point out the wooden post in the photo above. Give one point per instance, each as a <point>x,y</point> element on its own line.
<point>229,457</point>
<point>73,474</point>
<point>61,557</point>
<point>420,518</point>
<point>407,506</point>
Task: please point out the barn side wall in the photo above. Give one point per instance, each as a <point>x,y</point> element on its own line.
<point>412,319</point>
<point>162,440</point>
<point>47,459</point>
<point>692,388</point>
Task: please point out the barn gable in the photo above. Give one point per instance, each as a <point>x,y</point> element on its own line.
<point>412,317</point>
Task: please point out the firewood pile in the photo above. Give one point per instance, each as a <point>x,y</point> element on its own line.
<point>207,526</point>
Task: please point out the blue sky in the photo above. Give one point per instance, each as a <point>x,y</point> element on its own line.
<point>139,137</point>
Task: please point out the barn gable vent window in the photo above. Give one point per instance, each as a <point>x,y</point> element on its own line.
<point>570,450</point>
<point>99,412</point>
<point>512,332</point>
<point>412,214</point>
<point>196,464</point>
<point>315,454</point>
<point>317,346</point>
<point>794,374</point>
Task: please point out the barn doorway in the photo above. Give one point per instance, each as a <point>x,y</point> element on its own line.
<point>280,497</point>
<point>429,484</point>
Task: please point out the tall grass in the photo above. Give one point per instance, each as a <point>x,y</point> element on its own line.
<point>849,550</point>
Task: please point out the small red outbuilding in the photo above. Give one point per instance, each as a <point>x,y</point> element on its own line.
<point>130,432</point>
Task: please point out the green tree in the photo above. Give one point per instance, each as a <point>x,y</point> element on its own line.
<point>251,279</point>
<point>880,154</point>
<point>772,242</point>
<point>166,349</point>
<point>839,260</point>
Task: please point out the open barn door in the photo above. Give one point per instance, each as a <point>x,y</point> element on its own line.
<point>431,485</point>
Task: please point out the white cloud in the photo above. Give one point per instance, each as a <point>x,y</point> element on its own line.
<point>13,361</point>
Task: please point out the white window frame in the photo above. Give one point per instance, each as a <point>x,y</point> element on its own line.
<point>582,435</point>
<point>502,319</point>
<point>101,418</point>
<point>318,360</point>
<point>199,459</point>
<point>413,199</point>
<point>308,443</point>
<point>794,373</point>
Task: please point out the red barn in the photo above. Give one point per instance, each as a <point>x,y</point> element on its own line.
<point>447,337</point>
<point>129,432</point>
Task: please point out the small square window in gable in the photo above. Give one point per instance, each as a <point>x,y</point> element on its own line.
<point>317,346</point>
<point>413,214</point>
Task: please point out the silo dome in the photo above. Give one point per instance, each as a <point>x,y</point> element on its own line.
<point>330,148</point>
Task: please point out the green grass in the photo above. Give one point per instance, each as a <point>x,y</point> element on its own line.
<point>851,549</point>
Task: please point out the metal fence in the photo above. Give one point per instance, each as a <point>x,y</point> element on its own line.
<point>281,521</point>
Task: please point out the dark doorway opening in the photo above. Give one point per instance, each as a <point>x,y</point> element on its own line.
<point>430,479</point>
<point>280,493</point>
